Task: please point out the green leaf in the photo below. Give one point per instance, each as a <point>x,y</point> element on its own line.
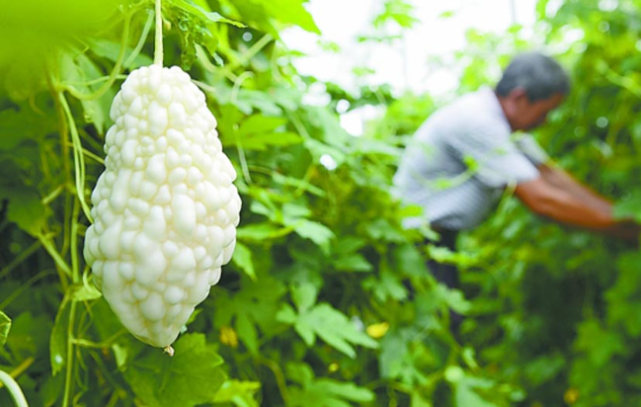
<point>259,124</point>
<point>5,326</point>
<point>30,335</point>
<point>445,255</point>
<point>189,378</point>
<point>52,389</point>
<point>629,208</point>
<point>25,209</point>
<point>304,296</point>
<point>253,309</point>
<point>95,110</point>
<point>398,11</point>
<point>258,132</point>
<point>286,314</point>
<point>240,393</point>
<point>294,211</point>
<point>381,229</point>
<point>333,327</point>
<point>369,147</point>
<point>247,332</point>
<point>466,396</point>
<point>259,232</point>
<point>319,149</point>
<point>315,231</point>
<point>419,401</point>
<point>266,208</point>
<point>111,49</point>
<point>599,343</point>
<point>248,101</point>
<point>261,142</point>
<point>354,262</point>
<point>121,354</point>
<point>306,331</point>
<point>387,286</point>
<point>242,258</point>
<point>13,128</point>
<point>297,183</point>
<point>347,391</point>
<point>202,12</point>
<point>348,244</point>
<point>329,393</point>
<point>106,322</point>
<point>291,12</point>
<point>545,368</point>
<point>24,124</point>
<point>453,298</point>
<point>299,372</point>
<point>84,292</point>
<point>393,355</point>
<point>35,33</point>
<point>408,260</point>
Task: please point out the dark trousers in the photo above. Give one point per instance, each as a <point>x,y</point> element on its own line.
<point>447,274</point>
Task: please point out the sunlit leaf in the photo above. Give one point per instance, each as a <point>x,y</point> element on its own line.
<point>85,292</point>
<point>243,259</point>
<point>5,326</point>
<point>240,393</point>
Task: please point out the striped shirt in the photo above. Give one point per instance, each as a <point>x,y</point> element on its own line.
<point>460,161</point>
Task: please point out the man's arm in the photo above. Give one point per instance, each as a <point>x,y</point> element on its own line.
<point>574,206</point>
<point>562,180</point>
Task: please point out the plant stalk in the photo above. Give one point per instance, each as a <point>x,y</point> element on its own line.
<point>14,389</point>
<point>158,51</point>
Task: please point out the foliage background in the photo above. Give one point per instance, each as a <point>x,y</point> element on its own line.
<point>314,309</point>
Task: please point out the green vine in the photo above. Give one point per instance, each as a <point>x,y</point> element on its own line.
<point>14,389</point>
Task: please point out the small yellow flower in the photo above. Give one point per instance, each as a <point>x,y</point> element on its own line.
<point>378,330</point>
<point>228,336</point>
<point>571,396</point>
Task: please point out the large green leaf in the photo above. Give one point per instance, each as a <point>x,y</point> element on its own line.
<point>191,377</point>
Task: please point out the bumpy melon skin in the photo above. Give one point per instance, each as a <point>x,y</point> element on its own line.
<point>165,209</point>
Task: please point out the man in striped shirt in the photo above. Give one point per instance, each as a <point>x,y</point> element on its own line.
<point>465,155</point>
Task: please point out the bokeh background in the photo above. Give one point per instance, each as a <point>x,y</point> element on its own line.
<point>314,102</point>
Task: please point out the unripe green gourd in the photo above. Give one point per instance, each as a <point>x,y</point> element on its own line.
<point>165,209</point>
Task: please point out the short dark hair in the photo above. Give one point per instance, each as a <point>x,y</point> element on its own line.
<point>539,75</point>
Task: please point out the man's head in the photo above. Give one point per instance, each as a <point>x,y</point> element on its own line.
<point>532,85</point>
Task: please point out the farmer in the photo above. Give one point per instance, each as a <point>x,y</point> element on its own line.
<point>466,154</point>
